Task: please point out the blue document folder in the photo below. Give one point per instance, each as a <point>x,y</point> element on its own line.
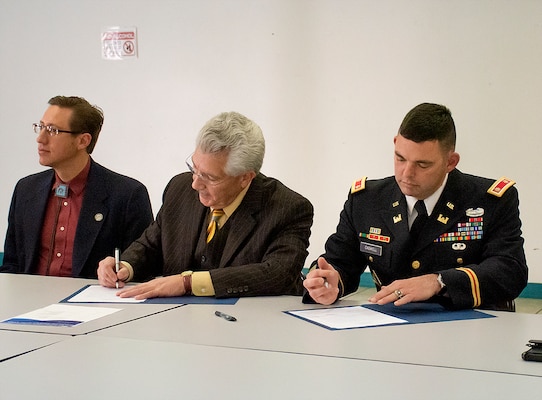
<point>416,313</point>
<point>168,300</point>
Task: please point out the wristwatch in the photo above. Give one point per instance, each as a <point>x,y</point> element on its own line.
<point>187,282</point>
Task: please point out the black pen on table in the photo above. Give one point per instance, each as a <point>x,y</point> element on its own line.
<point>225,316</point>
<point>117,265</point>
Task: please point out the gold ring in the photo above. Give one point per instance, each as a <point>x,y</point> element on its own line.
<point>398,293</point>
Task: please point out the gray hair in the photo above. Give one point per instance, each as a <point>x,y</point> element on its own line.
<point>239,136</point>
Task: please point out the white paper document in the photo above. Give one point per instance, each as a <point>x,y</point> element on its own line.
<point>100,294</point>
<point>346,317</point>
<point>61,315</point>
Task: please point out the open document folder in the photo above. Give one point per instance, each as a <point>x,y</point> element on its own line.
<point>60,315</point>
<point>100,294</point>
<point>371,315</point>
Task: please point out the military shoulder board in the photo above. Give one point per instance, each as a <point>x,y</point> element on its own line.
<point>500,186</point>
<point>358,185</point>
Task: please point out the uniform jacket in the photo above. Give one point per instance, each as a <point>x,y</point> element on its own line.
<point>115,211</point>
<point>265,249</point>
<point>473,238</point>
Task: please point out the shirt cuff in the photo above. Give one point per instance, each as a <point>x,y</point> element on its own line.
<point>202,284</point>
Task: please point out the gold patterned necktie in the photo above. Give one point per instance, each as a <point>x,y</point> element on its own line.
<point>213,224</point>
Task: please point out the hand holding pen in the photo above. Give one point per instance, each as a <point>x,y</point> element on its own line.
<point>323,283</point>
<point>112,273</point>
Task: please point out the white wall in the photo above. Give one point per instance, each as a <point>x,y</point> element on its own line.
<point>328,81</point>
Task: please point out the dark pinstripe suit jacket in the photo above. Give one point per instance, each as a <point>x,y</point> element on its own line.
<point>265,249</point>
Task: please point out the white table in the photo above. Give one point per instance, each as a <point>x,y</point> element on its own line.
<point>20,293</point>
<point>94,367</point>
<point>491,344</point>
<point>13,344</point>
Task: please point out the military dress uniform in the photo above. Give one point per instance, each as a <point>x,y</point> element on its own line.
<point>472,239</point>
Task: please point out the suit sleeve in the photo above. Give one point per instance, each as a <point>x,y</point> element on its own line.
<point>342,252</point>
<point>283,238</point>
<point>145,253</point>
<point>10,263</point>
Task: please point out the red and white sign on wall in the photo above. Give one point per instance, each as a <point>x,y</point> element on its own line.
<point>119,43</point>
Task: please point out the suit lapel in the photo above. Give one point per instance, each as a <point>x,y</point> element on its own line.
<point>395,214</point>
<point>183,210</point>
<point>244,220</point>
<point>195,223</point>
<point>34,212</point>
<point>94,213</point>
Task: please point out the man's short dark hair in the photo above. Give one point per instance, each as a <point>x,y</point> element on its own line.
<point>427,122</point>
<point>85,116</point>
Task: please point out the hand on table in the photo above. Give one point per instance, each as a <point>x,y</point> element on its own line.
<point>167,286</point>
<point>404,291</point>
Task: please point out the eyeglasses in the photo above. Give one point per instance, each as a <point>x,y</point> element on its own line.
<point>206,179</point>
<point>51,130</point>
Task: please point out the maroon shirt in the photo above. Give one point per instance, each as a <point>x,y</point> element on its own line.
<point>58,236</point>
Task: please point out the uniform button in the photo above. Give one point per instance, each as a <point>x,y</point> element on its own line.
<point>203,258</point>
<point>65,203</point>
<point>415,264</point>
<point>246,288</point>
<point>58,255</point>
<point>460,261</point>
<point>62,228</point>
<point>371,259</point>
<point>229,290</point>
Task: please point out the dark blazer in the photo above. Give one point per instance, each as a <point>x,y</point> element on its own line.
<point>487,269</point>
<point>265,249</point>
<point>115,210</point>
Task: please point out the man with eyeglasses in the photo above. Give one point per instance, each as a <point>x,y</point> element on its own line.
<point>256,245</point>
<point>66,219</point>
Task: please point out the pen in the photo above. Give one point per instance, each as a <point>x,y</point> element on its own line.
<point>326,283</point>
<point>117,264</point>
<point>376,280</point>
<point>225,316</point>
